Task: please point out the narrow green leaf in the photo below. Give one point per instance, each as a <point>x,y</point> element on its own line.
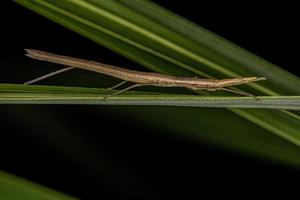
<point>232,59</point>
<point>12,188</point>
<point>24,94</point>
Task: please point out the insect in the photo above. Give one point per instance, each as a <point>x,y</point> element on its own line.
<point>137,77</point>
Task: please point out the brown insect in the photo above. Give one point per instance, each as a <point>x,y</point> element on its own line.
<point>137,77</point>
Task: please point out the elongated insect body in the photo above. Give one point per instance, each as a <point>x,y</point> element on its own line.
<point>140,78</point>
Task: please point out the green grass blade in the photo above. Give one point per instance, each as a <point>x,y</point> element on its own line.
<point>24,94</point>
<point>233,60</point>
<point>12,188</point>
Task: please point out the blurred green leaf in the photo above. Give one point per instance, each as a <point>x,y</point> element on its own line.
<point>12,188</point>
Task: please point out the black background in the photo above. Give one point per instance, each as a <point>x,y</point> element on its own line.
<point>141,162</point>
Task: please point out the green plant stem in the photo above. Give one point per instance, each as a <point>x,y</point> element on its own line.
<point>23,94</point>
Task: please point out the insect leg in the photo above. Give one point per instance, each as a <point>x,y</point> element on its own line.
<point>48,75</point>
<point>238,92</point>
<point>118,85</point>
<point>123,90</point>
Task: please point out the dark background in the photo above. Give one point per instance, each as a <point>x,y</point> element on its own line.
<point>88,151</point>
